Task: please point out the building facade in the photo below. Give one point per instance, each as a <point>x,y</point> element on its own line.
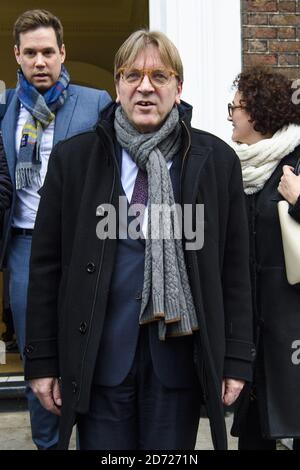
<point>271,35</point>
<point>216,39</point>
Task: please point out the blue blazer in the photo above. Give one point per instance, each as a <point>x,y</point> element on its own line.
<point>79,114</point>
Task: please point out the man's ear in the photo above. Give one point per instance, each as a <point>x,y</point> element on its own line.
<point>63,53</point>
<point>117,93</point>
<point>17,53</point>
<point>178,93</point>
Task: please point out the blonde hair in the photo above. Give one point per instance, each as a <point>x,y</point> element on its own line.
<point>34,19</point>
<point>138,41</point>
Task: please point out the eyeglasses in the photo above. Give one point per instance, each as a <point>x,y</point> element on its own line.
<point>158,77</point>
<point>232,107</point>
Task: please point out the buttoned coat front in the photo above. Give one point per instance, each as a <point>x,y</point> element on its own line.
<point>71,268</point>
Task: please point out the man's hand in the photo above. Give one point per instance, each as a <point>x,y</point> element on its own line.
<point>289,186</point>
<point>231,388</point>
<point>48,392</point>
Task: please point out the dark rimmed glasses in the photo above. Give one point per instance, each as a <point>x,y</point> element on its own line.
<point>159,77</point>
<point>232,107</point>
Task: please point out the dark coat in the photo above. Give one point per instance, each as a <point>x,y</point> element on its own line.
<point>276,306</point>
<point>71,268</point>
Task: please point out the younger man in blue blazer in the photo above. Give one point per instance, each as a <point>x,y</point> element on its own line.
<point>44,109</point>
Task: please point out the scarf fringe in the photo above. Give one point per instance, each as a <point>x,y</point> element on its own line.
<point>25,177</point>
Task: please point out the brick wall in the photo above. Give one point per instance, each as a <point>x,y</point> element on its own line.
<point>271,34</point>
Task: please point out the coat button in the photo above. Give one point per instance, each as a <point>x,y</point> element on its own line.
<point>29,349</point>
<point>90,267</point>
<point>138,295</point>
<point>83,327</point>
<point>74,387</point>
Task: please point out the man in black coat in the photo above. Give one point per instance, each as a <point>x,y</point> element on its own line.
<point>133,323</point>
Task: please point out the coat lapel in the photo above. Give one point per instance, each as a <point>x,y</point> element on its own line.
<point>64,117</point>
<point>9,124</point>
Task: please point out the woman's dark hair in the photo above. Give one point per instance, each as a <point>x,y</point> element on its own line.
<point>268,97</point>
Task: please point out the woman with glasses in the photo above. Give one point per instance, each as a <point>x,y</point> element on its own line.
<point>266,136</point>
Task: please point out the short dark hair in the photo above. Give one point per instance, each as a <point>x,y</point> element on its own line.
<point>33,19</point>
<point>267,97</point>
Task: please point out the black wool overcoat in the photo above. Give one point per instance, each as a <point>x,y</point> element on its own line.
<point>71,268</point>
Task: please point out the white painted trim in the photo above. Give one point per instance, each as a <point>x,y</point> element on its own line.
<point>207,34</point>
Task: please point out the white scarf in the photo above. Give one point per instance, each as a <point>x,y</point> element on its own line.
<point>259,160</point>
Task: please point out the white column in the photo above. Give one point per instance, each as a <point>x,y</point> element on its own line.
<point>207,34</point>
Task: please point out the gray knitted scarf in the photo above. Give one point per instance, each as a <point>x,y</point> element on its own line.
<point>166,295</point>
